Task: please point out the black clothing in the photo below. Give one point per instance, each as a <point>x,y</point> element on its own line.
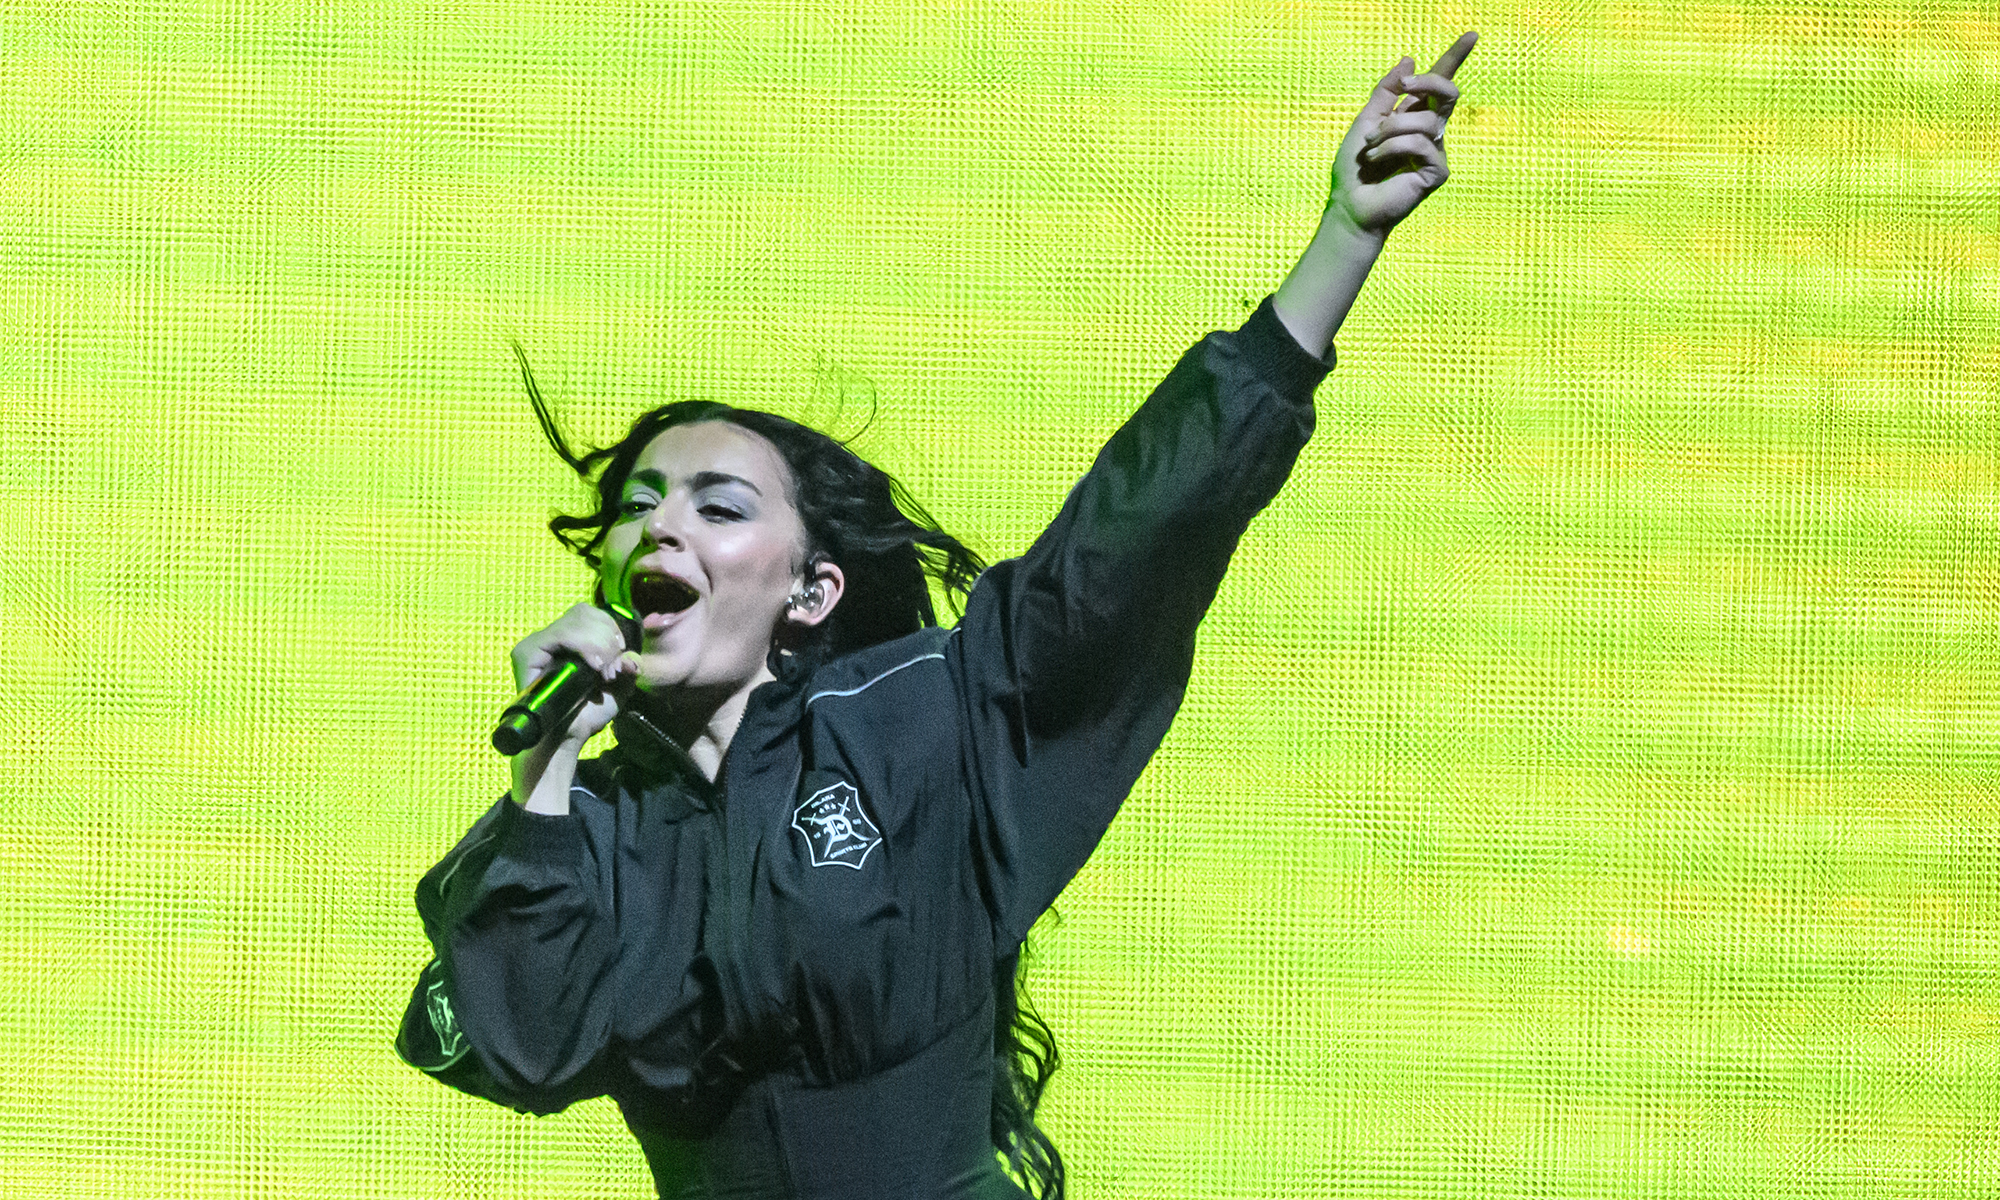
<point>786,978</point>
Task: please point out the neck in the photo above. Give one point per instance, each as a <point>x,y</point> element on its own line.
<point>702,721</point>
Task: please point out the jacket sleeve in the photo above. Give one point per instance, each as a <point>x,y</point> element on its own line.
<point>1072,659</point>
<point>516,1004</point>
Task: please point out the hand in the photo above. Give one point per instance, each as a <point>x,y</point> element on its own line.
<point>1393,157</point>
<point>588,632</point>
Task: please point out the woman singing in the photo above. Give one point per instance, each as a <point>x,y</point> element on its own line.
<point>779,922</point>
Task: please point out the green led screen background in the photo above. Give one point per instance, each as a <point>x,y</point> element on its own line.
<point>1588,784</point>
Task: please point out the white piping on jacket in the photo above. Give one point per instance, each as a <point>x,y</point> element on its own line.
<point>879,678</point>
<point>575,790</point>
<point>465,854</point>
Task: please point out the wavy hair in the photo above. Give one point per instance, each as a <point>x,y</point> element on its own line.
<point>889,550</point>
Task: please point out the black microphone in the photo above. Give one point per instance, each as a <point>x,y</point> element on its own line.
<point>551,701</point>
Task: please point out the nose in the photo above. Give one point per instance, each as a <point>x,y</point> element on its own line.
<point>662,526</point>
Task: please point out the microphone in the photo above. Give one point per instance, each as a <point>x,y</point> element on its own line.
<point>550,701</point>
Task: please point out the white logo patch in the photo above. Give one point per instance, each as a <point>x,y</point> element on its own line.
<point>451,1042</point>
<point>836,829</point>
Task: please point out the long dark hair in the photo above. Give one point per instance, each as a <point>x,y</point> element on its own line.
<point>889,550</point>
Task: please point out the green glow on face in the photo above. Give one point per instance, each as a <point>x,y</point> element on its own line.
<point>1586,788</point>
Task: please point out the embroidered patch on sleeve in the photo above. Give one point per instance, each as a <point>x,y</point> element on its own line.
<point>835,827</point>
<point>451,1042</point>
<point>430,1038</point>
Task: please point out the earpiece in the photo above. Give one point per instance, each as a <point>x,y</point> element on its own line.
<point>806,600</point>
<point>812,595</point>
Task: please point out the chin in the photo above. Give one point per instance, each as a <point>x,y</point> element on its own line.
<point>663,674</point>
<point>662,671</point>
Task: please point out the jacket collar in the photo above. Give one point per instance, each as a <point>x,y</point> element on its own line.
<point>658,758</point>
<point>770,717</point>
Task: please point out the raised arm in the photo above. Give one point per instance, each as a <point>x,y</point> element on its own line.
<point>1391,158</point>
<point>1073,659</point>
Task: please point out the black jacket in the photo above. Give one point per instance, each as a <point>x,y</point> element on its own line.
<point>785,978</point>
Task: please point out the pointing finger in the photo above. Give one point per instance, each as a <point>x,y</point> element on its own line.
<point>1449,62</point>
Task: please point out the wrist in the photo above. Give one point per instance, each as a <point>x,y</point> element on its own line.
<point>542,776</point>
<point>1314,299</point>
<point>1338,225</point>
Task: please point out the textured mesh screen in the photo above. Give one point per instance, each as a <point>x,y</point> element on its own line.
<point>1588,787</point>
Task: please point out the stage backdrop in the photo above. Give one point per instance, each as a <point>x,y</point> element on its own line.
<point>1588,785</point>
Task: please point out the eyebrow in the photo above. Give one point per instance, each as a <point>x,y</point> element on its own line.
<point>696,481</point>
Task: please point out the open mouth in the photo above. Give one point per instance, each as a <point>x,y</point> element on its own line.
<point>660,594</point>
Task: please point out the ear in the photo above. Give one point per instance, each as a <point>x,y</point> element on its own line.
<point>818,593</point>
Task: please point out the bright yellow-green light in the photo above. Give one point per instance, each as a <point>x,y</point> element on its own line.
<point>1586,787</point>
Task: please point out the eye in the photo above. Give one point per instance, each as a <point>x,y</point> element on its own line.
<point>635,506</point>
<point>720,512</point>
